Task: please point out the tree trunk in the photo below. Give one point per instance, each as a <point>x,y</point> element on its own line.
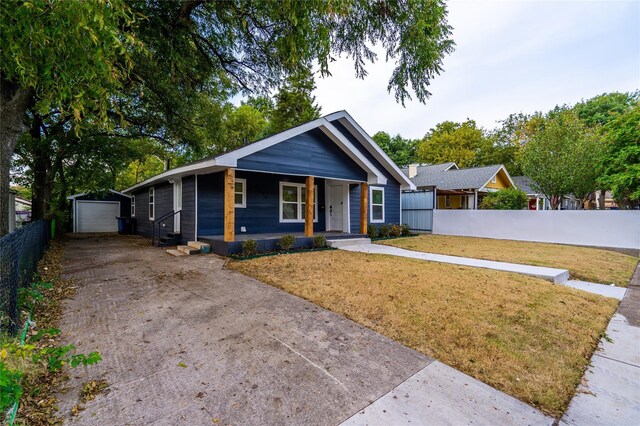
<point>13,105</point>
<point>40,169</point>
<point>601,199</point>
<point>555,201</point>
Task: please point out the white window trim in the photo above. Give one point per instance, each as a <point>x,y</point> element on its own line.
<point>371,189</point>
<point>299,203</point>
<point>244,193</point>
<point>133,206</point>
<point>494,179</point>
<point>152,205</point>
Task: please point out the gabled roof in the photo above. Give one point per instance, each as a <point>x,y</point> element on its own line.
<point>230,159</point>
<point>73,197</point>
<point>431,168</point>
<point>446,177</point>
<point>523,183</point>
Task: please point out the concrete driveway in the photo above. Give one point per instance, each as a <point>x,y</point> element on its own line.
<point>185,341</point>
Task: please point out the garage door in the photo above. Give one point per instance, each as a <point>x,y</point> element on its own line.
<point>97,216</point>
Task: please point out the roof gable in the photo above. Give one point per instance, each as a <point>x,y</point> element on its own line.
<point>323,124</point>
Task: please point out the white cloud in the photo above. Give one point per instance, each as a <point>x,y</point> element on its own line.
<point>510,57</point>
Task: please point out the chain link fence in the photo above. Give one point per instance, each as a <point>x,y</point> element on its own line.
<point>20,252</point>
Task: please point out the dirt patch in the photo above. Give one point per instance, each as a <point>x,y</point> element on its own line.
<point>583,263</point>
<point>525,336</point>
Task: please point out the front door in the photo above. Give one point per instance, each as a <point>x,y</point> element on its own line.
<point>336,211</point>
<point>177,204</point>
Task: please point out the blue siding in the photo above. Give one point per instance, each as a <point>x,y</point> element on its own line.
<point>311,153</point>
<point>391,189</point>
<point>261,215</point>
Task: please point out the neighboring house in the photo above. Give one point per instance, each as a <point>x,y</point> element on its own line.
<point>538,201</point>
<point>98,212</point>
<point>261,189</point>
<point>457,188</point>
<point>23,211</point>
<point>594,201</point>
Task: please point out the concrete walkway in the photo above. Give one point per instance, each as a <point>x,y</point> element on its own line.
<point>186,341</point>
<point>558,276</point>
<point>610,390</point>
<point>441,395</point>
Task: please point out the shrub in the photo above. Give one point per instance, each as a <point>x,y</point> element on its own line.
<point>372,231</point>
<point>286,241</point>
<point>395,230</point>
<point>505,199</point>
<point>384,231</point>
<point>249,247</point>
<point>405,230</point>
<point>319,241</point>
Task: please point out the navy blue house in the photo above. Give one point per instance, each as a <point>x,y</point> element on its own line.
<point>263,189</point>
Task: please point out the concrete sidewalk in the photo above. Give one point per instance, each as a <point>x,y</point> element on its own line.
<point>610,390</point>
<point>558,276</point>
<point>441,395</point>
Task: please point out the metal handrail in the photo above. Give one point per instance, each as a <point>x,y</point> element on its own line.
<point>161,219</point>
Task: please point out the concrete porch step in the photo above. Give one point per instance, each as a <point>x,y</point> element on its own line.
<point>343,242</point>
<point>188,250</point>
<point>175,253</point>
<point>199,245</point>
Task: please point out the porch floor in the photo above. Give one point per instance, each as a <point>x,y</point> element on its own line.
<point>277,235</point>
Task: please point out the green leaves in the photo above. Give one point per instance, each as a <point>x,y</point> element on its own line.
<point>505,199</point>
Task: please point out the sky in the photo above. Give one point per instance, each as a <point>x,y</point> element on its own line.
<point>511,56</point>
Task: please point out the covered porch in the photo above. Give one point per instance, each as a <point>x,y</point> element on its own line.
<point>315,210</point>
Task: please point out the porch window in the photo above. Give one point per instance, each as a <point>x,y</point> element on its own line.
<point>447,201</point>
<point>152,204</point>
<point>377,205</point>
<point>292,202</point>
<point>241,193</point>
<point>133,206</point>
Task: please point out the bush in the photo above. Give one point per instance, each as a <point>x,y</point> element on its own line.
<point>286,241</point>
<point>249,247</point>
<point>395,230</point>
<point>505,199</point>
<point>319,241</point>
<point>405,230</point>
<point>384,231</point>
<point>372,231</point>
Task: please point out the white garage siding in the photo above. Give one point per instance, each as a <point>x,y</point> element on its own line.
<point>96,216</point>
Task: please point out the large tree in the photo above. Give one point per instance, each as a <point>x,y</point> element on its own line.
<point>62,57</point>
<point>401,151</point>
<point>449,141</point>
<point>82,59</point>
<point>294,102</point>
<point>562,156</point>
<point>621,162</point>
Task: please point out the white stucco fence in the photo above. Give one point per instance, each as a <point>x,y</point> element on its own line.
<point>607,228</point>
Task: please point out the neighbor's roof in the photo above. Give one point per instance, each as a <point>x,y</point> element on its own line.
<point>230,159</point>
<point>523,183</point>
<point>444,176</point>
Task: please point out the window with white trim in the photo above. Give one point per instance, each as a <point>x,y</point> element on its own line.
<point>377,204</point>
<point>152,203</point>
<point>447,201</point>
<point>494,179</point>
<point>292,202</point>
<point>241,193</point>
<point>133,206</point>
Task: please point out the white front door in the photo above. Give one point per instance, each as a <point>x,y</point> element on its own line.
<point>177,204</point>
<point>336,208</point>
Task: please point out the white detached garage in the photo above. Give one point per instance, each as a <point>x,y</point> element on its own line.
<point>98,212</point>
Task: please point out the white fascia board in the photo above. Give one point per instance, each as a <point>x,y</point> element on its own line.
<point>113,191</point>
<point>375,176</point>
<point>202,166</point>
<point>372,147</point>
<point>496,173</point>
<point>230,159</point>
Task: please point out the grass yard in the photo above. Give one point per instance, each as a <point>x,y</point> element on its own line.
<point>583,263</point>
<point>525,336</point>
